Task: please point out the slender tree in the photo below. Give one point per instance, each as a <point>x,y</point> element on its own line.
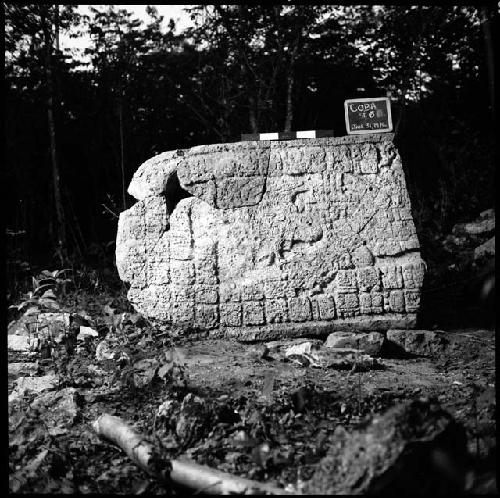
<point>49,21</point>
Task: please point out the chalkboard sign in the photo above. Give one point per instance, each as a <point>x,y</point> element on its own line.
<point>368,115</point>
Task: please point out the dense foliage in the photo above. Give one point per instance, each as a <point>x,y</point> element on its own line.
<point>144,89</point>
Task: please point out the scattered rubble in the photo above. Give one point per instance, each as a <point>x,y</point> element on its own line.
<point>270,421</point>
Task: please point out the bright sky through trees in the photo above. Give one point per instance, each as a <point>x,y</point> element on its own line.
<point>175,12</point>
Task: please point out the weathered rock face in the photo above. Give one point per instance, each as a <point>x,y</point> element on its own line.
<point>277,238</point>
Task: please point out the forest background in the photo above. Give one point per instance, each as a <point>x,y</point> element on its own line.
<point>77,130</point>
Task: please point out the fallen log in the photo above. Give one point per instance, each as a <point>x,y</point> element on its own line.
<point>183,472</point>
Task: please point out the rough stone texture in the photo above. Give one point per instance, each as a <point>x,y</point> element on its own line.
<point>413,448</point>
<point>277,239</point>
<point>419,342</point>
<point>481,226</point>
<point>58,409</point>
<point>32,385</point>
<point>371,343</point>
<point>20,369</point>
<point>486,249</point>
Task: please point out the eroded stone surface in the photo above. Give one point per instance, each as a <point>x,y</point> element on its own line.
<point>277,237</point>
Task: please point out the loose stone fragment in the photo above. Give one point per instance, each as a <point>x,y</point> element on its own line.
<point>486,249</point>
<point>18,342</point>
<point>304,354</point>
<point>413,448</point>
<point>27,369</point>
<point>370,344</point>
<point>58,409</point>
<point>419,342</point>
<point>348,359</point>
<point>144,371</point>
<point>254,239</point>
<point>86,333</point>
<point>195,416</point>
<point>104,351</point>
<point>33,385</point>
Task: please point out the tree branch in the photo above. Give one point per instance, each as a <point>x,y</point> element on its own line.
<point>184,472</point>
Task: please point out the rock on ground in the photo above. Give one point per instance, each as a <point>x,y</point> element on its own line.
<point>419,342</point>
<point>26,369</point>
<point>475,228</point>
<point>486,249</point>
<point>413,448</point>
<point>33,385</point>
<point>261,238</point>
<point>371,343</point>
<point>19,343</point>
<point>195,417</point>
<point>58,409</point>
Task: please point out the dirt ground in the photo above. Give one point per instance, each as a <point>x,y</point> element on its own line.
<point>259,415</point>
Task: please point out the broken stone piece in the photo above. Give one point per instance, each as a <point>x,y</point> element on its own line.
<point>86,333</point>
<point>371,344</point>
<point>27,369</point>
<point>33,385</point>
<point>259,352</point>
<point>487,213</point>
<point>475,228</point>
<point>58,409</point>
<point>305,354</point>
<point>104,352</point>
<point>18,343</point>
<point>264,240</point>
<point>413,447</point>
<point>348,359</point>
<point>419,342</point>
<point>276,346</point>
<point>486,249</point>
<point>144,371</point>
<point>195,417</point>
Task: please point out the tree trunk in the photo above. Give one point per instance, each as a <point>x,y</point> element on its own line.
<point>289,103</point>
<point>490,56</point>
<point>56,181</point>
<point>122,156</point>
<point>290,80</point>
<point>254,125</point>
<point>246,68</point>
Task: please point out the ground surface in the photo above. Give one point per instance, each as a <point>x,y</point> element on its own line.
<point>261,416</point>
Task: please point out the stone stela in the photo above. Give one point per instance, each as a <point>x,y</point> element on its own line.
<point>269,239</point>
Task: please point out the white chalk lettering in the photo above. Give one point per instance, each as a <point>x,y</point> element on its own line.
<point>362,107</point>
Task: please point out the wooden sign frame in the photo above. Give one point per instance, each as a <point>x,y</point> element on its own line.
<point>376,130</point>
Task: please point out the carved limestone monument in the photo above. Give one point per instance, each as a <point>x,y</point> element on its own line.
<point>263,239</point>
